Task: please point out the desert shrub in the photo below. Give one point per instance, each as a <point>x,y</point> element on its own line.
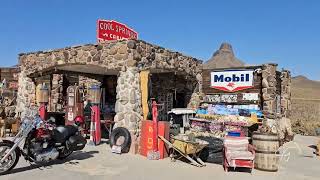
<point>305,116</point>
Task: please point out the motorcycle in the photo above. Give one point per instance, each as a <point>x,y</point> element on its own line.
<point>40,142</point>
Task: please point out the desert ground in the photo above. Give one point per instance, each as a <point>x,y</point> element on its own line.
<point>305,112</point>
<point>99,163</point>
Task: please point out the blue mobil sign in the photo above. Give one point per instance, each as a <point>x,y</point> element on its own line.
<point>232,81</point>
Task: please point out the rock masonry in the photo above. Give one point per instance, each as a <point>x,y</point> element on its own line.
<point>197,94</point>
<point>87,82</point>
<point>275,91</point>
<point>56,104</point>
<point>112,55</point>
<point>285,92</point>
<point>26,94</point>
<point>128,101</point>
<point>128,57</point>
<point>269,90</point>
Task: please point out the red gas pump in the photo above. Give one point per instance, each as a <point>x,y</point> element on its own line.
<point>154,154</point>
<point>150,146</point>
<point>155,126</point>
<point>74,104</point>
<point>43,100</point>
<point>95,126</point>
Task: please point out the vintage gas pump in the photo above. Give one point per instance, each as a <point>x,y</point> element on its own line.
<point>74,104</point>
<point>43,100</point>
<point>95,127</point>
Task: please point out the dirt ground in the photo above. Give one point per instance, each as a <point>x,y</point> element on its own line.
<point>99,163</point>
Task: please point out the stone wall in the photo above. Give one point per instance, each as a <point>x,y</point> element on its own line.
<point>112,55</point>
<point>26,96</point>
<point>56,104</point>
<point>197,94</point>
<point>285,92</point>
<point>269,89</point>
<point>87,82</point>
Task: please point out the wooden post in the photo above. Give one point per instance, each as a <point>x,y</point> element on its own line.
<point>144,78</point>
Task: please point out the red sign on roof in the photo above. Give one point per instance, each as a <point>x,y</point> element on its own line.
<point>112,30</point>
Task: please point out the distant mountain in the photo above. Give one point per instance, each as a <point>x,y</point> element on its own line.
<point>222,58</point>
<point>302,87</point>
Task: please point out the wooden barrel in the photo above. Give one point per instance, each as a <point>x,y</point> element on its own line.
<point>267,146</point>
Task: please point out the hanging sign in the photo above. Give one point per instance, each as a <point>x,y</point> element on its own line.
<point>112,30</point>
<point>232,81</point>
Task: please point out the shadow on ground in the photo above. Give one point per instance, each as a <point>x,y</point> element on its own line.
<point>74,158</point>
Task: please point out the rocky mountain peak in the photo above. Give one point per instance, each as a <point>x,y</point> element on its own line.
<point>226,48</point>
<point>223,58</point>
<point>300,77</point>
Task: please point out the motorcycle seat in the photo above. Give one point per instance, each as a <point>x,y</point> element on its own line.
<point>62,133</point>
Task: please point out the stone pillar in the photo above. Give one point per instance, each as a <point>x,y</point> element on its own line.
<point>269,83</point>
<point>26,96</point>
<point>285,92</point>
<point>56,102</point>
<point>128,105</point>
<point>197,95</point>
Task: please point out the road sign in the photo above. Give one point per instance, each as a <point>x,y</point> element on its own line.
<point>112,30</point>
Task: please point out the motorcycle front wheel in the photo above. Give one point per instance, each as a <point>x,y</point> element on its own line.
<point>12,159</point>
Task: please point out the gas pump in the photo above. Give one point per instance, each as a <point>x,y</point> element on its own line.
<point>95,127</point>
<point>43,99</point>
<point>74,104</point>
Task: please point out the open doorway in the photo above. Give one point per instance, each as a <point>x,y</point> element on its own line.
<point>171,90</point>
<point>108,96</point>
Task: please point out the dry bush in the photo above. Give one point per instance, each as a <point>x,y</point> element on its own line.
<point>305,116</point>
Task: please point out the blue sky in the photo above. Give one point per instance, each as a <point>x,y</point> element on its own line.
<point>285,32</point>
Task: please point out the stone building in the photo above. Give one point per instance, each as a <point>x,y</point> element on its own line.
<point>131,72</point>
<point>117,66</point>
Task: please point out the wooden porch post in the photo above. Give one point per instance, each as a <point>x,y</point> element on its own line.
<point>144,78</point>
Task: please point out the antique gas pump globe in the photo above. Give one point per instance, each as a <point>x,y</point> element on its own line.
<point>95,94</point>
<point>44,94</point>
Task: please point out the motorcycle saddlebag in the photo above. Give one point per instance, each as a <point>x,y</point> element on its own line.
<point>76,142</point>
